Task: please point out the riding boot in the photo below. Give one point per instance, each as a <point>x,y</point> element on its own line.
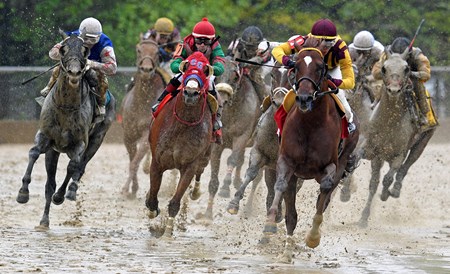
<point>171,88</point>
<point>348,111</point>
<point>101,98</point>
<point>421,96</point>
<point>51,82</point>
<point>217,123</point>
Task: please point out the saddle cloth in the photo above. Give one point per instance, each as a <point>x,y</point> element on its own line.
<point>212,103</point>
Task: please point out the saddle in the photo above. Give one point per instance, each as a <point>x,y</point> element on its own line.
<point>288,102</point>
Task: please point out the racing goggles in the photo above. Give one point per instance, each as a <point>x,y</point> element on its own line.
<point>91,38</point>
<point>329,43</point>
<point>203,40</point>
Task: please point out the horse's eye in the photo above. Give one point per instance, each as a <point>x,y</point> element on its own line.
<point>406,70</point>
<point>383,70</point>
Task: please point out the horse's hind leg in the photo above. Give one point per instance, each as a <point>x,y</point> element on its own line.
<point>236,158</point>
<point>41,145</point>
<point>51,163</point>
<point>151,200</point>
<point>213,185</point>
<point>251,197</point>
<point>414,154</point>
<point>143,149</point>
<point>376,165</point>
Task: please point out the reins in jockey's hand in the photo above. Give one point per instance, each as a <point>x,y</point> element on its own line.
<point>40,74</point>
<point>256,63</point>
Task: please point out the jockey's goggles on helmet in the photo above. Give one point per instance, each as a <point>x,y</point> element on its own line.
<point>91,38</point>
<point>329,43</point>
<point>203,40</point>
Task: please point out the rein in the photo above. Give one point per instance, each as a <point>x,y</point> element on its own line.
<point>186,122</point>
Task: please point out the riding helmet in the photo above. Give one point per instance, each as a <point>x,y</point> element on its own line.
<point>164,26</point>
<point>324,28</point>
<point>204,29</point>
<point>363,40</point>
<point>91,26</point>
<point>252,36</point>
<point>400,44</point>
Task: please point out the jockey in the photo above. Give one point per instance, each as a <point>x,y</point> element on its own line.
<point>203,38</point>
<point>102,60</point>
<point>365,50</point>
<point>254,47</point>
<point>420,73</point>
<point>167,36</point>
<point>336,56</point>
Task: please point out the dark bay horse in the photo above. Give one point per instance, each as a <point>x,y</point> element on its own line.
<point>311,147</point>
<point>180,138</point>
<point>136,109</point>
<point>240,115</point>
<point>393,136</point>
<point>264,152</point>
<point>66,126</point>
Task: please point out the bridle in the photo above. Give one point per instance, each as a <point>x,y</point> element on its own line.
<point>155,63</point>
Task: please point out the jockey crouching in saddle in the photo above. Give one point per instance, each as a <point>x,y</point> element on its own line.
<point>420,73</point>
<point>252,46</point>
<point>365,51</point>
<point>101,62</point>
<point>167,36</point>
<point>336,56</point>
<point>203,38</point>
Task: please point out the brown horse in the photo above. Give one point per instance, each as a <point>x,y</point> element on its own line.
<point>240,115</point>
<point>136,109</point>
<point>180,138</point>
<point>393,135</point>
<point>311,147</point>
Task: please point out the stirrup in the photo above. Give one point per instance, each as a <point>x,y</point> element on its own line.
<point>351,127</point>
<point>45,91</point>
<point>155,107</point>
<point>218,136</point>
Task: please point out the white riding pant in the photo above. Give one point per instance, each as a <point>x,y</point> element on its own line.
<point>336,74</point>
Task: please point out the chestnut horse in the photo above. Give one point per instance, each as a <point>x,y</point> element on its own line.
<point>311,147</point>
<point>136,109</point>
<point>180,138</point>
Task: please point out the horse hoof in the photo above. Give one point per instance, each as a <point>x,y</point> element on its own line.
<point>270,228</point>
<point>313,241</point>
<point>42,228</point>
<point>153,213</point>
<point>265,239</point>
<point>71,195</point>
<point>23,197</point>
<point>362,223</point>
<point>57,199</point>
<point>285,258</point>
<point>384,195</point>
<point>195,195</point>
<point>232,208</point>
<point>345,195</point>
<point>224,192</point>
<point>395,193</point>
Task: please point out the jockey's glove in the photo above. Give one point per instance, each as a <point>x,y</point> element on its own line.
<point>288,62</point>
<point>337,82</point>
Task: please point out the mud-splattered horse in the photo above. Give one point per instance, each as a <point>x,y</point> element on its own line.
<point>136,109</point>
<point>180,138</point>
<point>309,147</point>
<point>65,126</point>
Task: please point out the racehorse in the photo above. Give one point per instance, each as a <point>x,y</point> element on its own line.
<point>393,136</point>
<point>136,109</point>
<point>264,152</point>
<point>66,126</point>
<point>240,115</point>
<point>180,137</point>
<point>311,146</point>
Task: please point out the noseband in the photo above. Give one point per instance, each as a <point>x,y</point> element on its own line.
<point>152,60</point>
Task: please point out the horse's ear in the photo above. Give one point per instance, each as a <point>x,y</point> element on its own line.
<point>405,53</point>
<point>209,70</point>
<point>388,51</point>
<point>62,33</point>
<point>183,66</point>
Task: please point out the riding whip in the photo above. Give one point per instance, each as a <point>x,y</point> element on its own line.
<point>40,74</point>
<point>256,63</point>
<point>415,35</point>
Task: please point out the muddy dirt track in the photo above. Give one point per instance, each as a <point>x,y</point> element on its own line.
<point>102,232</point>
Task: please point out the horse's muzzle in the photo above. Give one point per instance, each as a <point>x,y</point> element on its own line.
<point>191,97</point>
<point>304,102</point>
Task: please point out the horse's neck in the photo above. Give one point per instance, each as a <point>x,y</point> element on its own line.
<point>147,85</point>
<point>189,113</point>
<point>66,94</point>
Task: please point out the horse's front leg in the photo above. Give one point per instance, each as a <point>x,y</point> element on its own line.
<point>74,171</point>
<point>51,164</point>
<point>142,150</point>
<point>151,200</point>
<point>41,145</point>
<point>58,197</point>
<point>213,185</point>
<point>174,204</point>
<point>376,165</point>
<point>284,174</point>
<point>388,178</point>
<point>236,157</point>
<point>291,220</point>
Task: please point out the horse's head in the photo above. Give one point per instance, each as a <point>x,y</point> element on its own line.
<point>147,56</point>
<point>395,71</point>
<point>74,56</point>
<point>281,83</point>
<point>227,83</point>
<point>310,75</point>
<point>196,73</point>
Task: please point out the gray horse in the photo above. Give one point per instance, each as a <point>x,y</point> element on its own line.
<point>240,115</point>
<point>66,126</point>
<point>393,135</point>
